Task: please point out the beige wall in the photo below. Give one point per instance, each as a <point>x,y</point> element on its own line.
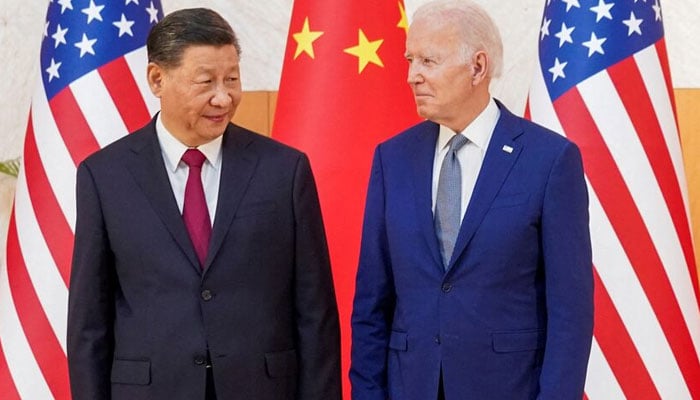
<point>257,111</point>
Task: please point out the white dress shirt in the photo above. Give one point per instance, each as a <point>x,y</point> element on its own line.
<point>173,150</point>
<point>471,155</point>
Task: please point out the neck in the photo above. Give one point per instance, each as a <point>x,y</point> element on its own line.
<point>472,111</point>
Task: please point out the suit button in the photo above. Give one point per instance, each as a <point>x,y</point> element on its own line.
<point>206,295</point>
<point>200,360</point>
<point>446,287</point>
<point>437,339</point>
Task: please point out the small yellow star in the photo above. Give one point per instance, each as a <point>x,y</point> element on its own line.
<point>403,23</point>
<point>305,40</point>
<point>366,51</point>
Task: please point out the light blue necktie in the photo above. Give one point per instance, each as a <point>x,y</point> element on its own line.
<point>448,202</point>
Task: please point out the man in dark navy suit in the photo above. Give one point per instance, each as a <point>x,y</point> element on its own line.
<point>200,268</point>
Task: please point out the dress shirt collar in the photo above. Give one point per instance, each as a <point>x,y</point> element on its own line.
<point>173,149</point>
<point>479,131</point>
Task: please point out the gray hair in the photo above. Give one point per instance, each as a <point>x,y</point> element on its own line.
<point>180,29</point>
<point>477,29</point>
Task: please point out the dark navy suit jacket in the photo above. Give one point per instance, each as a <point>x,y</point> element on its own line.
<point>513,316</point>
<point>142,314</point>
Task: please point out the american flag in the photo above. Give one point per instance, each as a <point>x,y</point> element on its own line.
<point>92,90</point>
<point>603,81</point>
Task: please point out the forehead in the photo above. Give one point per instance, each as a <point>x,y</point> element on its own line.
<point>208,55</point>
<point>433,35</point>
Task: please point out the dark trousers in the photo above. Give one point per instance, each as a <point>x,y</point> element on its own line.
<point>441,389</point>
<point>210,394</point>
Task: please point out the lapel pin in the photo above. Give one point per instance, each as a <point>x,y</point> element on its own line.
<point>507,149</point>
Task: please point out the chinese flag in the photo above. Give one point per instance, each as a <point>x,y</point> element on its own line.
<point>344,90</point>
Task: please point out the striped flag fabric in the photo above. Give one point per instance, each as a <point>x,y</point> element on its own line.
<point>603,81</point>
<point>92,90</point>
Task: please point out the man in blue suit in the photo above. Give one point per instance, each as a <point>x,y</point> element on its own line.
<point>475,274</point>
<point>205,279</point>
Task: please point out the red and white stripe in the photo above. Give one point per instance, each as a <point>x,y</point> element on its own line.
<point>647,323</point>
<point>92,112</point>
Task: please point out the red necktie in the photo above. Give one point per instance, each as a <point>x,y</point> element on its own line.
<point>194,210</point>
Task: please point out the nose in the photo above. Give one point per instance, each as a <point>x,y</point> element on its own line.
<point>221,97</point>
<point>414,74</point>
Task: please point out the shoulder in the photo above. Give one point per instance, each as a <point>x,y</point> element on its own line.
<point>270,152</point>
<point>531,133</point>
<point>420,131</point>
<point>120,148</point>
<point>406,144</point>
<point>259,141</point>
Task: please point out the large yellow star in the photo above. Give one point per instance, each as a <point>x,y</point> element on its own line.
<point>305,40</point>
<point>403,23</point>
<point>366,51</point>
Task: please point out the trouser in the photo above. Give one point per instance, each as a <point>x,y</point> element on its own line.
<point>210,393</point>
<point>441,389</point>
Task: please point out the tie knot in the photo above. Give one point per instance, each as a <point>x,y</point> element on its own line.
<point>457,142</point>
<point>193,158</point>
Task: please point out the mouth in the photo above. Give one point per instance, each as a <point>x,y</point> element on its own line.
<point>421,97</point>
<point>217,118</point>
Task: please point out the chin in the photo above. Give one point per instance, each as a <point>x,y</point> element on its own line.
<point>423,113</point>
<point>218,128</point>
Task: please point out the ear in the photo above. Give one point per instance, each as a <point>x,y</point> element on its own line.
<point>155,75</point>
<point>480,67</point>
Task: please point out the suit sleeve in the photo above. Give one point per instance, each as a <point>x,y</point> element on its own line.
<point>318,331</point>
<point>568,268</point>
<point>91,297</point>
<point>374,297</point>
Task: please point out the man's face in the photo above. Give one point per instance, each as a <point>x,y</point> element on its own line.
<point>441,81</point>
<point>200,96</point>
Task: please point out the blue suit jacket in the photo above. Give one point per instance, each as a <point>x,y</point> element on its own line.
<point>513,316</point>
<point>142,313</point>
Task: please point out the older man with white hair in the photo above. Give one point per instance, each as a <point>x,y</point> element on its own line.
<point>475,276</point>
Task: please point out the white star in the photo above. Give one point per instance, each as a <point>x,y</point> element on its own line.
<point>46,29</point>
<point>131,1</point>
<point>85,46</point>
<point>558,70</point>
<point>571,3</point>
<point>594,45</point>
<point>59,36</point>
<point>124,26</point>
<point>633,24</point>
<point>65,4</point>
<point>564,34</point>
<point>152,12</point>
<point>657,10</point>
<point>53,70</point>
<point>602,10</point>
<point>545,28</point>
<point>93,12</point>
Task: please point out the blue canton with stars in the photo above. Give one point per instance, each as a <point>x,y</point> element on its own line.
<point>82,35</point>
<point>579,38</point>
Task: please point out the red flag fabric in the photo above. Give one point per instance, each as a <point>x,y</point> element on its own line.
<point>343,90</point>
<point>603,81</point>
<point>92,90</point>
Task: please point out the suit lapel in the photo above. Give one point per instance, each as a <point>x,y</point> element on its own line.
<point>500,157</point>
<point>149,172</point>
<point>423,154</point>
<point>237,166</point>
